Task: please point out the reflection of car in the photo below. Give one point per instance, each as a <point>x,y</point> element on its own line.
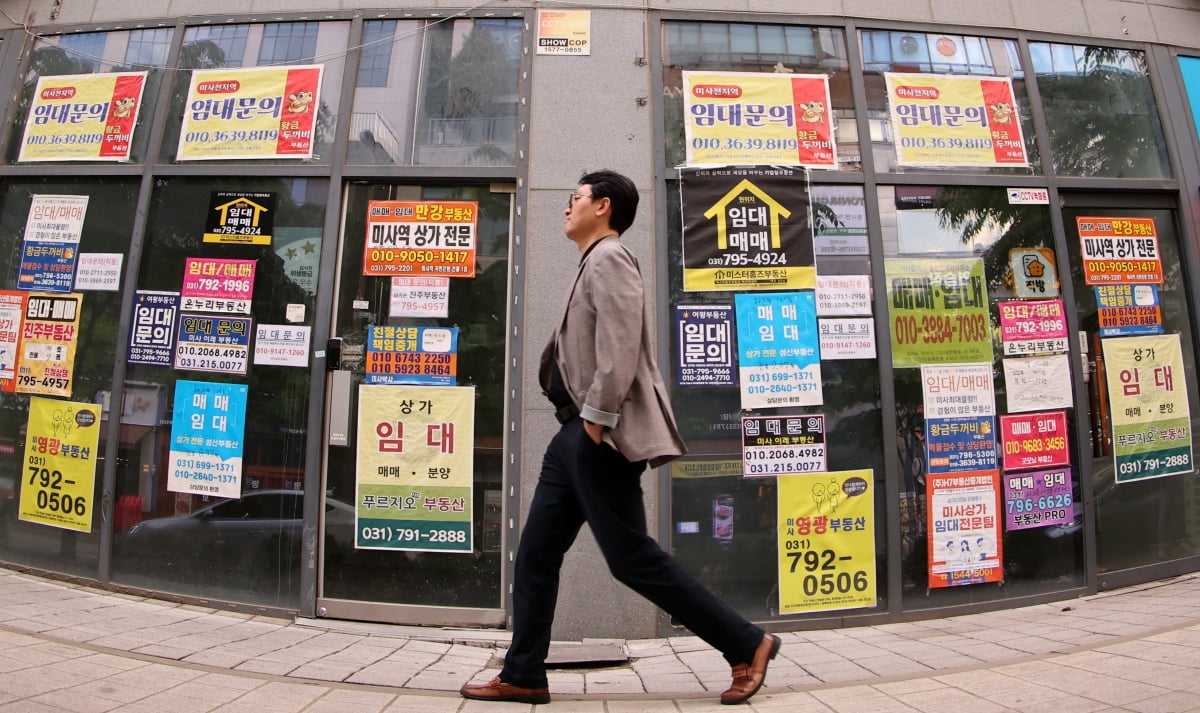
<point>262,527</point>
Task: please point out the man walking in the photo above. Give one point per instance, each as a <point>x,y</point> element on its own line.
<point>616,418</point>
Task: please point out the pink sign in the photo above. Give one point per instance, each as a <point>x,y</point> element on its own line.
<point>212,285</point>
<point>1033,326</point>
<point>1034,440</point>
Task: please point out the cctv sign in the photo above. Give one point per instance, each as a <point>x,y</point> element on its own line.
<point>564,32</point>
<point>255,113</point>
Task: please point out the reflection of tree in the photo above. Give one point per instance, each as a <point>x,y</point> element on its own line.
<point>973,211</point>
<point>475,83</point>
<point>1101,116</point>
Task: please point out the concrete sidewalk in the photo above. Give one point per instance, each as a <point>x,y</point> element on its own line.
<point>65,647</point>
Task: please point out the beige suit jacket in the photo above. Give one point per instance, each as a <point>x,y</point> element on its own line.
<point>603,350</point>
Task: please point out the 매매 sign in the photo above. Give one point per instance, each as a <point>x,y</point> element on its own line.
<point>1033,327</point>
<point>216,285</point>
<point>1034,440</point>
<point>1119,250</point>
<point>1038,499</point>
<point>938,311</point>
<point>240,218</point>
<point>779,360</point>
<point>51,246</point>
<point>826,541</point>
<point>61,450</point>
<point>436,238</point>
<point>414,474</point>
<point>49,334</point>
<point>207,438</point>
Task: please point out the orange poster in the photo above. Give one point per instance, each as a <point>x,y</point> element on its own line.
<point>420,238</point>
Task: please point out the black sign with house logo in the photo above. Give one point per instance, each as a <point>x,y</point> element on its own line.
<point>240,218</point>
<point>746,228</point>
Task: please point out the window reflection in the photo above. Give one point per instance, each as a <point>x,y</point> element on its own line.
<point>1100,111</point>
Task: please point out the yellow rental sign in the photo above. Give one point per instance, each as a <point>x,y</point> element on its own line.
<point>59,480</point>
<point>826,541</point>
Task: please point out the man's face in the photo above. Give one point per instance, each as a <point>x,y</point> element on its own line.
<point>580,217</point>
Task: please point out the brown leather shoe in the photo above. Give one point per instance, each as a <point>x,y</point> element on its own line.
<point>749,677</point>
<point>497,690</point>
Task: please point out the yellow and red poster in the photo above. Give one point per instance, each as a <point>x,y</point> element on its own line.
<point>416,449</point>
<point>259,112</point>
<point>964,528</point>
<point>12,312</point>
<point>1119,250</point>
<point>421,238</point>
<point>758,118</point>
<point>1151,418</point>
<point>826,541</point>
<point>48,334</point>
<point>83,117</point>
<point>58,482</point>
<point>938,311</point>
<point>947,120</point>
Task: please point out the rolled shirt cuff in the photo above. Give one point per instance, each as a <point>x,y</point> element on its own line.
<point>603,418</point>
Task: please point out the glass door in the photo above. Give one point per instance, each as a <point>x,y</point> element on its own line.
<point>1131,293</point>
<point>414,466</point>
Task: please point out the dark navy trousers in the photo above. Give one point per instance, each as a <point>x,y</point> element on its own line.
<point>585,482</point>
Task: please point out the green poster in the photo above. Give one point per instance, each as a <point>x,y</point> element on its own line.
<point>938,310</point>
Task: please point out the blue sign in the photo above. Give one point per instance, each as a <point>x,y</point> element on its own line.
<point>207,437</point>
<point>1189,67</point>
<point>705,356</point>
<point>961,444</point>
<point>152,333</point>
<point>47,267</point>
<point>779,353</point>
<point>412,355</point>
<point>1128,310</point>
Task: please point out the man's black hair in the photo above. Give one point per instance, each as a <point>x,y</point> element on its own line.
<point>622,195</point>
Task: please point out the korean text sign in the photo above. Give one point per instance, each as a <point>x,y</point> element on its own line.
<point>938,311</point>
<point>960,417</point>
<point>152,332</point>
<point>12,313</point>
<point>207,439</point>
<point>258,112</point>
<point>51,246</point>
<point>1152,433</point>
<point>746,229</point>
<point>826,541</point>
<point>706,346</point>
<point>1038,499</point>
<point>783,445</point>
<point>1033,327</point>
<point>415,468</point>
<point>211,343</point>
<point>945,120</point>
<point>1119,250</point>
<point>48,337</point>
<point>412,355</point>
<point>216,285</point>
<point>1128,310</point>
<point>964,528</point>
<point>1034,440</point>
<point>83,117</point>
<point>564,32</point>
<point>434,238</point>
<point>779,350</point>
<point>61,452</point>
<point>240,218</point>
<point>755,118</point>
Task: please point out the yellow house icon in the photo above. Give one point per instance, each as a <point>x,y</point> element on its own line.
<point>720,213</point>
<point>237,205</point>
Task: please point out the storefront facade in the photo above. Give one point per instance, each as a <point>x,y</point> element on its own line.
<point>277,283</point>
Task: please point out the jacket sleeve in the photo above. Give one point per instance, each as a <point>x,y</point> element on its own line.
<point>618,297</point>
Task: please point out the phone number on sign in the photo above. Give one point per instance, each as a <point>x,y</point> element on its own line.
<point>405,534</point>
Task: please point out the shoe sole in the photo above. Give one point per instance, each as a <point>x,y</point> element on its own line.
<point>536,700</point>
<point>770,657</point>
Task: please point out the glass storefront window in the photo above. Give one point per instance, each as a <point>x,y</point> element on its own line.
<point>965,56</point>
<point>106,227</point>
<point>1140,519</point>
<point>245,548</point>
<point>937,236</point>
<point>95,53</point>
<point>1100,111</point>
<point>724,525</point>
<point>737,47</point>
<point>260,45</point>
<point>437,93</point>
<point>400,573</point>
